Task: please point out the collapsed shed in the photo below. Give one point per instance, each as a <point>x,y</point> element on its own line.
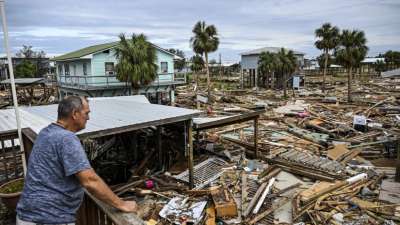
<point>121,132</point>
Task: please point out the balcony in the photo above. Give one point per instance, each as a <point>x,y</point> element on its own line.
<point>111,81</point>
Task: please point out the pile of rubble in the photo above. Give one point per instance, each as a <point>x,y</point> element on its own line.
<point>320,160</point>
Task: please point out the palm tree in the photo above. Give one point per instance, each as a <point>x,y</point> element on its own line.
<point>204,41</point>
<point>267,64</point>
<point>136,61</point>
<point>392,59</point>
<point>379,66</point>
<point>287,64</point>
<point>328,40</point>
<point>351,51</point>
<point>321,61</point>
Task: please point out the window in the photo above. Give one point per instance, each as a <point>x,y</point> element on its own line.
<point>66,69</point>
<point>109,66</point>
<point>84,69</point>
<point>164,67</point>
<point>74,66</point>
<point>60,70</point>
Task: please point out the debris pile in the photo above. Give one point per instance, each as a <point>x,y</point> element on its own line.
<point>320,160</point>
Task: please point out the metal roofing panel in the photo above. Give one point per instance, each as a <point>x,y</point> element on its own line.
<point>23,80</point>
<point>106,114</point>
<point>269,49</point>
<point>391,73</point>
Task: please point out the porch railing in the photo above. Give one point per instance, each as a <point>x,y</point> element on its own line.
<point>85,82</point>
<point>110,81</point>
<point>95,212</point>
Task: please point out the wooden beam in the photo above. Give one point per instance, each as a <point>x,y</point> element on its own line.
<point>397,178</point>
<point>230,120</point>
<point>159,148</point>
<point>189,146</point>
<point>256,137</point>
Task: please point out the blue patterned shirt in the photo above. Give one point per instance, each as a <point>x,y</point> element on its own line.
<point>52,193</point>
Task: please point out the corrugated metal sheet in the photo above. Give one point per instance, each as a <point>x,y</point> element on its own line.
<point>106,114</point>
<point>391,73</point>
<point>269,49</point>
<point>23,80</point>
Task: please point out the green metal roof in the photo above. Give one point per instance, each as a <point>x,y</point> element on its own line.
<point>95,48</point>
<point>85,51</point>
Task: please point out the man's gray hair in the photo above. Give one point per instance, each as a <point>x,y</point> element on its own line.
<point>68,104</point>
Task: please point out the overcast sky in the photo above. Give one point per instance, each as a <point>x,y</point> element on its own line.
<point>61,26</point>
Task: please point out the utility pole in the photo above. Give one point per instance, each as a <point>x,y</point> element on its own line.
<point>220,66</point>
<point>12,81</point>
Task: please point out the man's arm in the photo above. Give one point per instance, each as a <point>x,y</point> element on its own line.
<point>96,186</point>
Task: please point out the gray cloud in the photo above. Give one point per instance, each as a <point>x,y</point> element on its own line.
<point>59,26</point>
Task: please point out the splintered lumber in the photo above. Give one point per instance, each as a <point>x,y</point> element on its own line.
<point>244,192</point>
<point>210,218</point>
<point>285,190</point>
<point>127,187</point>
<point>268,211</point>
<point>255,198</point>
<point>263,196</point>
<point>270,175</point>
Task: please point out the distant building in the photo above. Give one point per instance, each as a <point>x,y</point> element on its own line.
<point>368,65</point>
<point>91,72</point>
<point>43,63</point>
<point>249,63</point>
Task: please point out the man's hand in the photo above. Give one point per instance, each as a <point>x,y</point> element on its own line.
<point>96,186</point>
<point>128,206</point>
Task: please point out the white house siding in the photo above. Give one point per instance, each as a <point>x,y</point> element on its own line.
<point>77,72</point>
<point>98,68</point>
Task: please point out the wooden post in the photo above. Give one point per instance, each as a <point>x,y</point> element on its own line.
<point>256,137</point>
<point>189,147</point>
<point>241,78</point>
<point>397,178</point>
<point>159,148</point>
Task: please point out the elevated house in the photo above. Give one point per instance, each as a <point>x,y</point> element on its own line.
<point>249,64</point>
<point>91,72</point>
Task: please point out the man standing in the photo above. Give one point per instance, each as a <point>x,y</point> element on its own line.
<point>58,168</point>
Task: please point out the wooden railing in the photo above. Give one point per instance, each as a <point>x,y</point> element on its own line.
<point>95,212</point>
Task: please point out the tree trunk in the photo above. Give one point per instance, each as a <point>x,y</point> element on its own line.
<point>284,84</point>
<point>135,89</point>
<point>208,77</point>
<point>325,67</point>
<point>349,85</point>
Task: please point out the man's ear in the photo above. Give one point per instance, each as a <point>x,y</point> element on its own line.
<point>74,116</point>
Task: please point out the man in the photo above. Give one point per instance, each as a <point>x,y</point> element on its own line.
<point>58,168</point>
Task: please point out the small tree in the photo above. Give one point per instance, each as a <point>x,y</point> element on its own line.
<point>287,64</point>
<point>351,51</point>
<point>179,64</point>
<point>26,69</point>
<point>379,66</point>
<point>392,59</point>
<point>35,57</point>
<point>197,65</point>
<point>267,65</point>
<point>328,40</point>
<point>136,61</point>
